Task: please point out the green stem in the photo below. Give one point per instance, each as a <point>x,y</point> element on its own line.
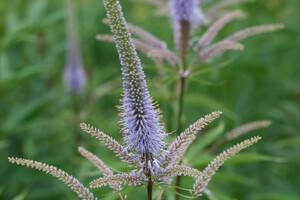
<point>148,174</point>
<point>149,189</point>
<point>182,81</point>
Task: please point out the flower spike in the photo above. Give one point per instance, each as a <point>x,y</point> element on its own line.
<point>185,16</point>
<point>143,132</point>
<point>245,128</point>
<point>215,28</point>
<point>219,7</point>
<point>100,165</point>
<point>132,178</point>
<point>112,144</point>
<point>180,144</point>
<point>254,30</point>
<point>218,48</point>
<point>214,165</point>
<point>72,182</point>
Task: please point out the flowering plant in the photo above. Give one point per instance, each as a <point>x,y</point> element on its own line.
<point>144,147</point>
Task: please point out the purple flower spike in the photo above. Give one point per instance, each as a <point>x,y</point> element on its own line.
<point>186,14</point>
<point>75,77</point>
<point>141,122</point>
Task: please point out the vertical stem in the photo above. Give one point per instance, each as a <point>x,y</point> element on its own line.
<point>180,104</point>
<point>179,123</point>
<point>148,174</point>
<point>149,189</point>
<point>180,113</point>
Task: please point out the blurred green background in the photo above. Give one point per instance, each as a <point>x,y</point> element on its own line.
<point>39,119</point>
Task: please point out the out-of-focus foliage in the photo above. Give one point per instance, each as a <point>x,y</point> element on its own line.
<point>40,120</point>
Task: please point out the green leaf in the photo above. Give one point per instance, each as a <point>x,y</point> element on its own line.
<point>240,158</point>
<point>21,196</point>
<point>248,158</point>
<point>209,102</point>
<point>291,142</point>
<point>276,196</point>
<point>235,178</point>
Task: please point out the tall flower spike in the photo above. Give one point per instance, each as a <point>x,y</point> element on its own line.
<point>72,182</point>
<point>143,132</point>
<point>75,77</point>
<point>185,16</point>
<point>214,165</point>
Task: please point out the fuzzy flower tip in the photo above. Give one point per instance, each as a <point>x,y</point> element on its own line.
<point>140,121</point>
<point>186,10</point>
<point>186,15</point>
<point>75,78</point>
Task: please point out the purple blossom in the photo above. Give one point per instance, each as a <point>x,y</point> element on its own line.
<point>186,15</point>
<point>75,77</point>
<point>142,130</point>
<point>185,10</point>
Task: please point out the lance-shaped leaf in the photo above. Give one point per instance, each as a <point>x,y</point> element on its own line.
<point>254,30</point>
<point>245,128</point>
<point>132,178</point>
<point>143,132</point>
<point>184,139</point>
<point>111,143</point>
<point>69,180</point>
<point>214,29</point>
<point>100,165</point>
<point>215,50</point>
<point>213,166</point>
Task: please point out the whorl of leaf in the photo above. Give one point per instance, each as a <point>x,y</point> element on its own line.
<point>69,180</point>
<point>214,165</point>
